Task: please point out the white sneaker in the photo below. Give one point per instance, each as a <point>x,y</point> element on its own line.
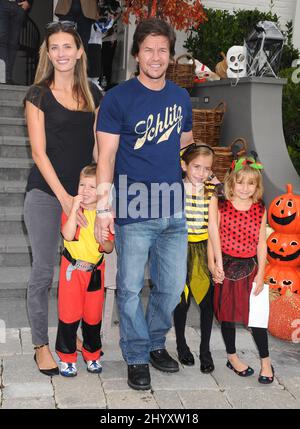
<point>94,366</point>
<point>67,369</point>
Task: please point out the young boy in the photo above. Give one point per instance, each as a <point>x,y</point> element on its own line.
<point>81,282</point>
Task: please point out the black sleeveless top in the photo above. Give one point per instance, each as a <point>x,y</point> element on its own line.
<point>69,139</point>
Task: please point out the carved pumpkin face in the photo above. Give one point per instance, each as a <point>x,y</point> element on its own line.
<point>284,213</point>
<point>284,249</point>
<point>283,278</point>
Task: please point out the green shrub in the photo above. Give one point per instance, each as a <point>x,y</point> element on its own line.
<point>224,29</point>
<point>290,116</point>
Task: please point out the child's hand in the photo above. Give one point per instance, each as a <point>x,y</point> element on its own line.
<point>76,202</point>
<point>259,285</point>
<point>211,268</point>
<point>218,274</point>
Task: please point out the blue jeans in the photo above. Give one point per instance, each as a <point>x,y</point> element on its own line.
<point>164,241</point>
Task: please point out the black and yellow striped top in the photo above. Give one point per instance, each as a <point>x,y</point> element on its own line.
<point>196,210</point>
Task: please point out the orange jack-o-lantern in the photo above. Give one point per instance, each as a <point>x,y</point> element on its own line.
<point>284,212</point>
<point>283,278</point>
<point>284,249</point>
<point>284,317</point>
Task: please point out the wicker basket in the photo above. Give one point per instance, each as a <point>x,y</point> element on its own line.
<point>207,124</point>
<point>182,74</point>
<point>224,157</point>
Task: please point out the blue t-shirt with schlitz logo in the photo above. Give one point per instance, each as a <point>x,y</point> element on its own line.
<point>147,178</point>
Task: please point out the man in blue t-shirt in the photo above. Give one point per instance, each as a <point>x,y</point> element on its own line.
<point>141,126</point>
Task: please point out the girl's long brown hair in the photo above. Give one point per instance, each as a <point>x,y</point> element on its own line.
<point>45,71</point>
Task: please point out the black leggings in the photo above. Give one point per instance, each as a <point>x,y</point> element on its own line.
<point>260,337</point>
<point>206,321</point>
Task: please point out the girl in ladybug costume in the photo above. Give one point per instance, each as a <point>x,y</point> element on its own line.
<point>242,229</point>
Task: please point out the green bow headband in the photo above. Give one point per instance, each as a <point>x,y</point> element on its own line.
<point>239,164</point>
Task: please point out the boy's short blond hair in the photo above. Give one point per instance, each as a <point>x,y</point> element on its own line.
<point>232,177</point>
<point>89,170</point>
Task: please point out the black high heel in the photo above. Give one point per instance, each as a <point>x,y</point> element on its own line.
<point>248,371</point>
<point>263,379</point>
<point>51,371</point>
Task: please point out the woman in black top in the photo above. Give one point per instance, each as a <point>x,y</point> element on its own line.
<point>61,107</point>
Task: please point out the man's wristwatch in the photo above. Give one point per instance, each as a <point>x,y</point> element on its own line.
<point>102,211</point>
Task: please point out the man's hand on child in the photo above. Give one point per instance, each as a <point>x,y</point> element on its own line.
<point>105,235</point>
<point>103,225</point>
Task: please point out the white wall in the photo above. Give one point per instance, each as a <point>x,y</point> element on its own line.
<point>296,33</point>
<point>285,9</point>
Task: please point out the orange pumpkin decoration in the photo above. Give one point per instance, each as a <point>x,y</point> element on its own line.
<point>283,278</point>
<point>284,312</point>
<point>284,212</point>
<point>284,249</point>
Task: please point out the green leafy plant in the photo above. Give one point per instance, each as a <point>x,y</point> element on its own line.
<point>223,30</point>
<point>290,116</point>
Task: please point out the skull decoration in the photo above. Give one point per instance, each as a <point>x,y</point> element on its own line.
<point>236,61</point>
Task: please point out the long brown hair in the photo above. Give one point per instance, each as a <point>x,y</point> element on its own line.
<point>45,71</point>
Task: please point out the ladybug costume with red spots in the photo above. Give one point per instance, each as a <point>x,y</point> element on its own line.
<point>242,219</point>
<point>239,232</point>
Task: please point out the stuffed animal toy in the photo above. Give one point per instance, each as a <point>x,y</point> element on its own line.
<point>203,73</point>
<point>221,67</point>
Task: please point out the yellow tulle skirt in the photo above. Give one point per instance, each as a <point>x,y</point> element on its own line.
<point>197,282</point>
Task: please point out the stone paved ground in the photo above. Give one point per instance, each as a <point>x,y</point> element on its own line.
<point>22,386</point>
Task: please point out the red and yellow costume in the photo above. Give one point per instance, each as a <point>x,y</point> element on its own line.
<point>81,293</point>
